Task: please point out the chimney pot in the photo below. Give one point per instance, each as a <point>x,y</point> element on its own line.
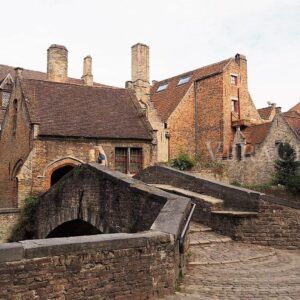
<point>57,63</point>
<point>18,71</point>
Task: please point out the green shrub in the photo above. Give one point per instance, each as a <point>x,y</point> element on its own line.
<point>25,229</point>
<point>183,162</point>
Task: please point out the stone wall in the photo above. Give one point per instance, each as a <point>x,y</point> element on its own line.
<point>259,167</point>
<point>8,217</point>
<point>276,223</point>
<point>117,266</point>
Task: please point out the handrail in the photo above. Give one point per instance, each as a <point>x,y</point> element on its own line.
<point>185,229</point>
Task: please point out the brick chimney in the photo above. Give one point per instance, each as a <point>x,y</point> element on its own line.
<point>140,64</point>
<point>57,63</point>
<point>87,71</point>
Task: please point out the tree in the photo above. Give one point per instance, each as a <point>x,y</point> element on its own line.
<point>286,165</point>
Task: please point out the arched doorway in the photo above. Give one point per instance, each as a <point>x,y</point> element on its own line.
<point>73,228</point>
<point>60,172</point>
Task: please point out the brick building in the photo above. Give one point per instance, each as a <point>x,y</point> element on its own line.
<point>196,112</point>
<point>51,123</point>
<point>209,112</point>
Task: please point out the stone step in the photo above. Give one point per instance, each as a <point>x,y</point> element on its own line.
<point>216,203</point>
<point>197,227</point>
<point>207,237</point>
<point>235,213</point>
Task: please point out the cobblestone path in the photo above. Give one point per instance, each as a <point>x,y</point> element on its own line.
<point>220,268</point>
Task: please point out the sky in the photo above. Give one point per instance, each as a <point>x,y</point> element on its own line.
<point>182,34</point>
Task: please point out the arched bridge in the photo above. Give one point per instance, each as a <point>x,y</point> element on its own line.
<point>93,199</point>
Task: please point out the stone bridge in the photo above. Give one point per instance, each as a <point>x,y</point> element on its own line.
<point>93,199</point>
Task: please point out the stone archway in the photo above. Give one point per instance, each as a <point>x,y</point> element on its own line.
<point>75,227</point>
<point>59,167</point>
<point>59,173</point>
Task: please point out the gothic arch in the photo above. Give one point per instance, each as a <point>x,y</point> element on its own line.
<point>58,164</point>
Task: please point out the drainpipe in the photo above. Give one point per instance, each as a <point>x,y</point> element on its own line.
<point>196,117</point>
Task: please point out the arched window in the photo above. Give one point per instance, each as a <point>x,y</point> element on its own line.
<point>15,116</point>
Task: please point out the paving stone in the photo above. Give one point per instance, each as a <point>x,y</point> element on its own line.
<point>234,270</point>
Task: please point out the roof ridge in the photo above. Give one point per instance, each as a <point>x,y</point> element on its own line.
<point>197,69</point>
<point>100,85</point>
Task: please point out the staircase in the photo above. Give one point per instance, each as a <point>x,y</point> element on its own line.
<point>209,210</point>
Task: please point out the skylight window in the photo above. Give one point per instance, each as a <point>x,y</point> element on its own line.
<point>162,87</point>
<point>184,80</point>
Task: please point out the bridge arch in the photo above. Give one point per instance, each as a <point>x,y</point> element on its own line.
<point>76,227</point>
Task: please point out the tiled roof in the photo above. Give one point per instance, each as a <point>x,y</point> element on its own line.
<point>265,112</point>
<point>71,110</point>
<point>292,118</point>
<point>296,108</point>
<point>166,101</point>
<point>256,134</point>
<point>30,74</point>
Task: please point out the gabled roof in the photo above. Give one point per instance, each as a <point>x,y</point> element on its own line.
<point>71,110</point>
<point>256,134</point>
<point>265,112</point>
<point>166,101</point>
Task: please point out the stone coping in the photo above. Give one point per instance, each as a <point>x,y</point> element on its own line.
<point>229,193</point>
<point>71,245</point>
<point>9,210</point>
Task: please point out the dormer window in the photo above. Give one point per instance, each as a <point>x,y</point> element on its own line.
<point>162,87</point>
<point>183,80</point>
<point>234,79</point>
<point>5,99</point>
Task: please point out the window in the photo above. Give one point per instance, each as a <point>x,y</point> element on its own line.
<point>239,151</point>
<point>5,99</point>
<point>15,116</point>
<point>235,105</point>
<point>233,79</point>
<point>162,87</point>
<point>128,160</point>
<point>183,80</point>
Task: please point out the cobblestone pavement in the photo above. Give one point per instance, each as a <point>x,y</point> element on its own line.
<point>222,269</point>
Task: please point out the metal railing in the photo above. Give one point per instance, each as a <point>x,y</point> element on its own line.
<point>185,229</point>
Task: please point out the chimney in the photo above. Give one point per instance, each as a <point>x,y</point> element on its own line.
<point>140,63</point>
<point>57,63</point>
<point>87,71</point>
<point>18,72</point>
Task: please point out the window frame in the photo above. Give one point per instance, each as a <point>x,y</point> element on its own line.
<point>162,87</point>
<point>130,159</point>
<point>185,80</point>
<point>234,79</point>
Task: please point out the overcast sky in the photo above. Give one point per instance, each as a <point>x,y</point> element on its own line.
<point>182,35</point>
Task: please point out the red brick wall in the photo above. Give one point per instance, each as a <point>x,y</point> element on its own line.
<point>182,126</point>
<point>13,148</point>
<point>209,93</point>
